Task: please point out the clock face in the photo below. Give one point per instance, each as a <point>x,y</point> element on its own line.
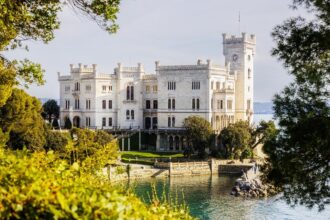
<point>235,57</point>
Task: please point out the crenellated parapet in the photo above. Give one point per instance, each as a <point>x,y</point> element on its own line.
<point>243,40</point>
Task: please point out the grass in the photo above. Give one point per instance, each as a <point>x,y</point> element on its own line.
<point>151,155</point>
<point>147,158</point>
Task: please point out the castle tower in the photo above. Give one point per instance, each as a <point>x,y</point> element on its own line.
<point>239,52</point>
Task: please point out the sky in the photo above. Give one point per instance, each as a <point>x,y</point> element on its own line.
<point>171,31</point>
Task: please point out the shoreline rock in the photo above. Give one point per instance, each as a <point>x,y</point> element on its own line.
<point>253,188</point>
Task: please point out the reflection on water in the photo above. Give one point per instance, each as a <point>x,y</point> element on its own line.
<point>208,198</point>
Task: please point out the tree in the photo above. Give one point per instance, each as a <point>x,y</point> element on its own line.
<point>263,132</point>
<point>198,131</point>
<point>37,20</point>
<point>67,123</point>
<point>56,141</point>
<point>299,155</point>
<point>50,110</point>
<point>236,138</point>
<point>21,118</point>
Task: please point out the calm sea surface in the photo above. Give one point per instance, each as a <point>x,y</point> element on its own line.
<point>208,198</point>
<point>259,117</point>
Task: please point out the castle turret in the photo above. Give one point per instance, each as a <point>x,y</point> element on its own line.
<point>240,51</point>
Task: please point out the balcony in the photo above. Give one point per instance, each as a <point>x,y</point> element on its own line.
<point>75,93</point>
<point>129,101</point>
<point>228,90</point>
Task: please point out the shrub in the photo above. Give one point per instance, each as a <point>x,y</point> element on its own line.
<point>247,153</point>
<point>67,123</point>
<point>42,186</point>
<point>56,141</point>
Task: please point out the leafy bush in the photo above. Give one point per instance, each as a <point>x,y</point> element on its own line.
<point>247,153</point>
<point>56,141</point>
<point>67,123</point>
<point>42,186</point>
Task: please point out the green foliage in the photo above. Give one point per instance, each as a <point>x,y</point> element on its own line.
<point>21,118</point>
<point>85,143</point>
<point>42,186</point>
<point>236,138</point>
<point>239,139</point>
<point>50,110</point>
<point>247,153</point>
<point>56,141</point>
<point>198,132</point>
<point>264,131</point>
<point>138,154</point>
<point>102,137</point>
<point>298,158</point>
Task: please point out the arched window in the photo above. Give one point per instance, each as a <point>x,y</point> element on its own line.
<point>128,92</point>
<point>193,103</point>
<point>169,103</point>
<point>127,114</point>
<point>171,142</point>
<point>132,92</point>
<point>132,114</point>
<point>147,123</point>
<point>173,103</point>
<point>169,122</point>
<point>197,105</point>
<point>77,86</point>
<point>173,121</point>
<point>177,142</point>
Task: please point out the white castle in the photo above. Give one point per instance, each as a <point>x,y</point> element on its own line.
<point>131,99</point>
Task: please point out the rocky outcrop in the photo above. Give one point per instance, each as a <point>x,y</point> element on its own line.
<point>252,188</point>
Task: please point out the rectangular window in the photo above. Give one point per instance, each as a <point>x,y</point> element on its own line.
<point>147,104</point>
<point>169,122</point>
<point>147,89</point>
<point>171,85</point>
<point>248,104</point>
<point>104,104</point>
<point>88,121</point>
<point>88,88</point>
<point>195,85</point>
<point>155,104</point>
<point>110,88</point>
<point>76,104</point>
<point>155,88</point>
<point>67,104</point>
<point>110,104</point>
<point>229,104</point>
<point>193,104</point>
<point>173,122</point>
<point>88,104</point>
<point>197,104</point>
<point>221,104</point>
<point>218,85</point>
<point>132,114</point>
<point>169,103</point>
<point>109,122</point>
<point>104,122</point>
<point>173,103</point>
<point>104,88</point>
<point>67,89</point>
